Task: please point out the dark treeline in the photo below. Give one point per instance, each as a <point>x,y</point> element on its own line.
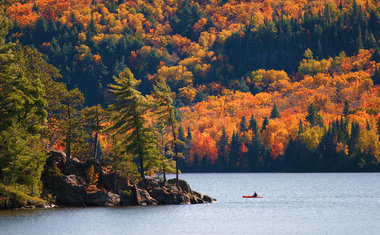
<point>339,149</point>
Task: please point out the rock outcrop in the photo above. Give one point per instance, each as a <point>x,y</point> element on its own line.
<point>76,183</point>
<point>11,198</point>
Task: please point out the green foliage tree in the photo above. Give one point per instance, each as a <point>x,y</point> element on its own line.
<point>274,113</point>
<point>21,159</point>
<point>181,137</point>
<point>181,134</point>
<point>353,143</point>
<point>22,115</point>
<point>253,125</point>
<point>70,106</point>
<point>95,118</point>
<point>165,111</point>
<point>313,117</point>
<point>256,153</point>
<point>300,128</point>
<point>346,109</point>
<point>22,94</point>
<point>234,150</point>
<point>223,149</point>
<point>121,161</point>
<point>129,121</point>
<point>166,163</point>
<point>186,16</point>
<point>265,124</point>
<point>188,144</point>
<point>243,125</point>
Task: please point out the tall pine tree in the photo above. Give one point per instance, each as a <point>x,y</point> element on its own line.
<point>166,114</point>
<point>129,120</point>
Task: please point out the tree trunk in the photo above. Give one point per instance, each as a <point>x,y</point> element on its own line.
<point>175,154</point>
<point>176,169</point>
<point>142,171</point>
<point>96,145</point>
<point>164,171</point>
<point>142,168</point>
<point>13,170</point>
<point>96,139</point>
<point>163,154</point>
<point>114,186</point>
<point>68,136</point>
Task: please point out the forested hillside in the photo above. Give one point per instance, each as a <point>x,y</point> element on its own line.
<point>189,42</point>
<point>159,86</point>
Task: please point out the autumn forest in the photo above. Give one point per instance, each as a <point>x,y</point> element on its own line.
<point>152,87</point>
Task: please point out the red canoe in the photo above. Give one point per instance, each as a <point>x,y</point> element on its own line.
<point>253,197</point>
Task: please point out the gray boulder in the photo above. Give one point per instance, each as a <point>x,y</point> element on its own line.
<point>183,185</point>
<point>69,191</point>
<point>163,197</point>
<point>101,198</point>
<point>170,195</point>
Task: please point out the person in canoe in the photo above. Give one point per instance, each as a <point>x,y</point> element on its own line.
<point>255,194</point>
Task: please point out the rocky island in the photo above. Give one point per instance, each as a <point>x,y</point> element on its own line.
<point>79,184</point>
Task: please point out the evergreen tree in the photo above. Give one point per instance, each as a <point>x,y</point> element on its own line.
<point>253,125</point>
<point>121,161</point>
<point>22,95</point>
<point>72,101</point>
<point>234,151</point>
<point>245,139</point>
<point>21,158</point>
<point>186,16</point>
<point>188,143</point>
<point>313,116</point>
<point>166,114</point>
<point>256,153</point>
<point>297,158</point>
<point>182,138</point>
<point>95,117</point>
<point>129,121</point>
<point>274,113</point>
<point>189,137</point>
<point>300,128</point>
<point>265,124</point>
<point>346,109</point>
<point>376,77</point>
<point>243,125</point>
<point>181,149</point>
<point>353,143</point>
<point>22,115</point>
<point>223,149</point>
<point>167,165</point>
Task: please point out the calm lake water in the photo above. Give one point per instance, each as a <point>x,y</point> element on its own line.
<point>326,203</point>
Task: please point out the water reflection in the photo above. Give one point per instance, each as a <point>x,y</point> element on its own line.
<point>292,204</point>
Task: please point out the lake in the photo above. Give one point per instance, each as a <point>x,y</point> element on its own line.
<point>317,203</point>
